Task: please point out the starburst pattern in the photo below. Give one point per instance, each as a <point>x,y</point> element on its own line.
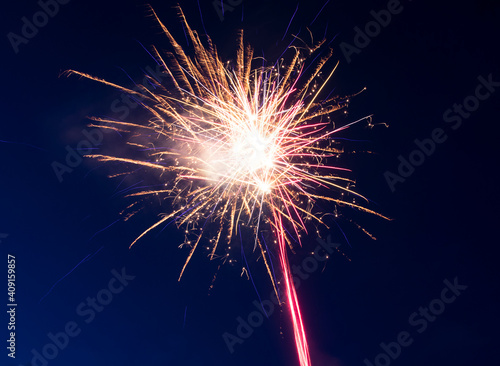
<point>237,144</point>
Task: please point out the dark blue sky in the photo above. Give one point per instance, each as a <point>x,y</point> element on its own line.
<point>418,68</point>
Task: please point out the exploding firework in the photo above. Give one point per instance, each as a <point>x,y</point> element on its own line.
<point>237,147</point>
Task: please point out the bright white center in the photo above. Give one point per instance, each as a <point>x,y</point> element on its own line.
<point>252,152</point>
<point>264,187</point>
<point>246,155</point>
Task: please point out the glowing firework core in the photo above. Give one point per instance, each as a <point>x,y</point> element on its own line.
<point>254,136</point>
<point>246,157</point>
<point>254,151</point>
<point>249,144</point>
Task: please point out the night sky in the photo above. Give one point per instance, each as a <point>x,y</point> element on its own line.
<point>432,74</point>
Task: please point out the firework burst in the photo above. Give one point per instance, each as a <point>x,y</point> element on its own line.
<point>235,145</point>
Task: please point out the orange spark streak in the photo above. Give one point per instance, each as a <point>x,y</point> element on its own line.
<point>237,145</point>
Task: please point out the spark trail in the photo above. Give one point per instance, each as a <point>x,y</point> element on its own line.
<point>234,144</point>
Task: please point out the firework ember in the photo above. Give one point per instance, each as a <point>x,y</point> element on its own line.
<point>238,147</point>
